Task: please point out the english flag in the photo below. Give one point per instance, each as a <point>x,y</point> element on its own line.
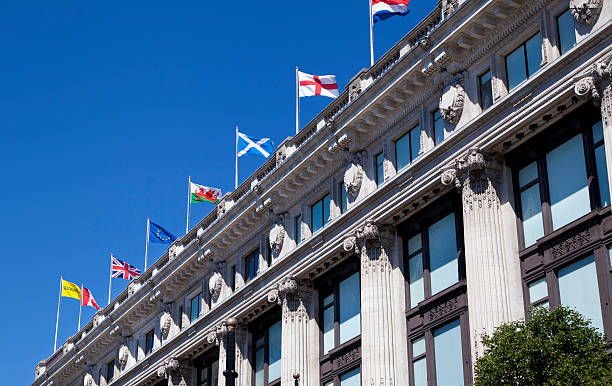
<point>384,9</point>
<point>88,299</point>
<point>324,85</point>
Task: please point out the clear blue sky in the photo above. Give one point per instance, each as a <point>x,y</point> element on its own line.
<point>106,108</point>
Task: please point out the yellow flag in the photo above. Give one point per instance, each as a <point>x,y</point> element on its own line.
<point>71,290</point>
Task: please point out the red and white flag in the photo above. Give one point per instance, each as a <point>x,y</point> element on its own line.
<point>310,85</point>
<point>88,299</point>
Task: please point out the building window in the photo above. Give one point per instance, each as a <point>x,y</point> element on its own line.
<point>319,213</point>
<point>438,126</point>
<point>196,307</point>
<point>251,265</point>
<point>208,371</point>
<point>553,189</point>
<point>267,355</point>
<point>110,371</point>
<point>343,197</point>
<point>566,31</point>
<point>268,250</point>
<point>380,172</point>
<point>233,278</point>
<point>180,318</point>
<point>298,230</point>
<point>149,342</point>
<point>524,61</point>
<point>340,321</point>
<point>485,91</point>
<point>408,146</point>
<point>433,258</point>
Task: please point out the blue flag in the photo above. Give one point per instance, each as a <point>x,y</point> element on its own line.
<point>257,146</point>
<point>158,234</point>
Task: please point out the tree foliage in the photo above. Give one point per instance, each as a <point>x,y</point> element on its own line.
<point>556,347</point>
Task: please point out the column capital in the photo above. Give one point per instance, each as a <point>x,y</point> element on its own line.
<point>289,288</point>
<point>217,335</point>
<point>369,233</point>
<point>590,83</point>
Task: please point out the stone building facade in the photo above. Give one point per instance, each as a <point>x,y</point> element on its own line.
<point>460,180</point>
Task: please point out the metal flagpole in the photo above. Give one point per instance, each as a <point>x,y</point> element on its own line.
<point>80,307</point>
<point>371,37</point>
<point>188,205</point>
<point>110,278</point>
<point>236,180</point>
<point>59,301</point>
<point>297,100</point>
<point>147,240</point>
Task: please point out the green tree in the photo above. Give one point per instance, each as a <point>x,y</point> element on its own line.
<point>556,347</point>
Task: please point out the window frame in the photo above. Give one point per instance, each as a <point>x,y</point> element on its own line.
<point>297,234</point>
<point>325,220</point>
<point>558,30</point>
<point>342,198</point>
<point>522,45</point>
<point>205,362</point>
<point>254,255</point>
<point>480,85</point>
<point>149,349</point>
<point>433,126</point>
<point>110,371</point>
<point>379,175</point>
<point>258,329</point>
<point>191,299</point>
<point>411,156</point>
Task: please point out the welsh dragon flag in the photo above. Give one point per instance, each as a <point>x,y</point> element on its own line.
<point>201,193</point>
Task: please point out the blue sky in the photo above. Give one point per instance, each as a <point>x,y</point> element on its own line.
<point>106,108</point>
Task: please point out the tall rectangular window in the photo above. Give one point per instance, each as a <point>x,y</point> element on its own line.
<point>267,355</point>
<point>180,318</point>
<point>415,270</point>
<point>524,61</point>
<point>319,213</point>
<point>196,307</point>
<point>110,371</point>
<point>380,171</point>
<point>343,197</point>
<point>566,31</point>
<point>407,147</point>
<point>251,265</point>
<point>531,210</point>
<point>600,163</point>
<point>149,336</point>
<point>419,361</point>
<point>438,126</point>
<point>298,229</point>
<point>485,91</point>
<point>233,278</point>
<point>208,371</point>
<point>448,352</point>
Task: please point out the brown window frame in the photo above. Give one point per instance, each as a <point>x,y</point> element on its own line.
<point>205,361</point>
<point>258,329</point>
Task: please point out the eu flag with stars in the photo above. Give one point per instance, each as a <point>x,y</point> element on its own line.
<point>160,235</point>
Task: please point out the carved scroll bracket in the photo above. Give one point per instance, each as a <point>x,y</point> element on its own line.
<point>586,11</point>
<point>596,83</point>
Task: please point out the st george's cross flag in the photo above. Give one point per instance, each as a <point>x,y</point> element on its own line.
<point>324,85</point>
<point>256,146</point>
<point>384,9</point>
<point>201,193</point>
<point>88,299</point>
<point>123,269</point>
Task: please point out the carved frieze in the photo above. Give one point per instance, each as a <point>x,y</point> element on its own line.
<point>349,357</point>
<point>353,174</point>
<point>277,237</point>
<point>443,308</point>
<point>452,100</point>
<point>571,244</point>
<point>586,11</point>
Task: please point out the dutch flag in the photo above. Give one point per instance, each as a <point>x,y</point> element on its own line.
<point>384,9</point>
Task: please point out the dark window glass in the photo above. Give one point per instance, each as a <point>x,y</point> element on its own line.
<point>180,318</point>
<point>298,229</point>
<point>380,173</point>
<point>524,61</point>
<point>438,126</point>
<point>196,307</point>
<point>407,147</point>
<point>485,90</point>
<point>251,265</point>
<point>233,278</point>
<point>110,371</point>
<point>320,213</point>
<point>149,342</point>
<point>351,378</point>
<point>341,312</point>
<point>600,163</point>
<point>268,250</point>
<point>566,31</point>
<point>208,372</point>
<point>267,355</point>
<point>343,197</point>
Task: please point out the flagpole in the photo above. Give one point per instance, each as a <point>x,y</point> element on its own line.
<point>188,206</point>
<point>236,179</point>
<point>110,278</point>
<point>371,37</point>
<point>59,301</point>
<point>297,100</point>
<point>80,307</point>
<point>147,240</point>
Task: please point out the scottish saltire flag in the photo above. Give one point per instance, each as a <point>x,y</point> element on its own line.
<point>257,146</point>
<point>123,269</point>
<point>384,9</point>
<point>157,234</point>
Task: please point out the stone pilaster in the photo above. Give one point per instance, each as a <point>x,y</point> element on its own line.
<point>244,372</point>
<point>294,296</point>
<point>374,244</point>
<point>487,262</point>
<point>596,83</point>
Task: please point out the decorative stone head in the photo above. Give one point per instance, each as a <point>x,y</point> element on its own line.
<point>353,174</point>
<point>277,236</point>
<point>452,100</point>
<point>124,353</point>
<point>165,321</point>
<point>215,283</point>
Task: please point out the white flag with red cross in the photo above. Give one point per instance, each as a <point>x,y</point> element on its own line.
<point>310,85</point>
<point>88,299</point>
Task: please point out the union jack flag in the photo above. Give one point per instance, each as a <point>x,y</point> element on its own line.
<point>123,269</point>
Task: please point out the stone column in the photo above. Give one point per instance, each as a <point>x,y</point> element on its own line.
<point>294,296</point>
<point>487,261</point>
<point>379,361</point>
<point>596,83</point>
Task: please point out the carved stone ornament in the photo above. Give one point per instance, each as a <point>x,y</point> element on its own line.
<point>169,365</point>
<point>164,323</point>
<point>277,236</point>
<point>217,335</point>
<point>353,174</point>
<point>124,353</point>
<point>587,84</point>
<point>452,100</point>
<point>215,284</point>
<point>284,288</point>
<point>88,380</point>
<point>586,11</point>
<point>369,233</point>
<point>448,7</point>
